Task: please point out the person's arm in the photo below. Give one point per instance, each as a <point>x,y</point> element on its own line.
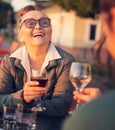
<point>10,93</point>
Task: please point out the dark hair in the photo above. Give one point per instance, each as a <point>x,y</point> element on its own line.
<point>106,5</point>
<point>104,69</point>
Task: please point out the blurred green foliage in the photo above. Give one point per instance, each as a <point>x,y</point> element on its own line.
<point>7,17</point>
<point>83,8</point>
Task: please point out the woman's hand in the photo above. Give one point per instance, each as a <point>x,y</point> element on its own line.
<point>86,95</point>
<point>32,90</point>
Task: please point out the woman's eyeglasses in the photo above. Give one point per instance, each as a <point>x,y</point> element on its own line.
<point>31,23</point>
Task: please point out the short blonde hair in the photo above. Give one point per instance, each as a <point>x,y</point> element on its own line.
<point>19,16</point>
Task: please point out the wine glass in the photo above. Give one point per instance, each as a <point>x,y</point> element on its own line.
<point>41,77</point>
<point>25,118</point>
<point>9,117</point>
<point>80,75</point>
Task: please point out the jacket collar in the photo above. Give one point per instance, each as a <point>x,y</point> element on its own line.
<point>22,55</point>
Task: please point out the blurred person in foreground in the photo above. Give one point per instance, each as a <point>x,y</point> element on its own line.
<point>98,114</point>
<point>37,53</point>
<point>105,55</point>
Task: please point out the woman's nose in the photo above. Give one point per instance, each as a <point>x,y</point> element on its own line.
<point>37,25</point>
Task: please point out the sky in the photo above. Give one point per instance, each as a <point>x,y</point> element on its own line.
<point>18,4</point>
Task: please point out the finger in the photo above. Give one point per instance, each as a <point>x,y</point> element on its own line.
<point>75,92</point>
<point>32,83</point>
<point>34,93</point>
<point>83,97</point>
<point>80,102</point>
<point>28,98</point>
<point>91,90</point>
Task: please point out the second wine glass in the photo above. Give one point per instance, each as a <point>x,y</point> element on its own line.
<point>80,75</point>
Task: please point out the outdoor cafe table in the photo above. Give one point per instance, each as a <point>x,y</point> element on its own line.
<point>43,122</point>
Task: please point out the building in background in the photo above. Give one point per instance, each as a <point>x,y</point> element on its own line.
<point>72,31</point>
<point>68,29</point>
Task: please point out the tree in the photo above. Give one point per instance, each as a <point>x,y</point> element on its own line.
<point>6,15</point>
<point>83,8</point>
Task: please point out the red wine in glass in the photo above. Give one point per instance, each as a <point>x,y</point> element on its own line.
<point>42,80</point>
<point>40,77</point>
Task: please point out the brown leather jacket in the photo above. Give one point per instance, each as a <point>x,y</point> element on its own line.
<point>58,98</point>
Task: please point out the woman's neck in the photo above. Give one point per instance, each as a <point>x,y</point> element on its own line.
<point>37,56</point>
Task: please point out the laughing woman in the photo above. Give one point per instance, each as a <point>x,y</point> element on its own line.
<point>37,53</point>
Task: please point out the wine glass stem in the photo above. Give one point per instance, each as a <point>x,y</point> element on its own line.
<point>79,90</point>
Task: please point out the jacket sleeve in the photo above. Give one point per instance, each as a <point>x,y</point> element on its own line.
<point>8,92</point>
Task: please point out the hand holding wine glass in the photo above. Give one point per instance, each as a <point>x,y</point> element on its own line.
<point>80,75</point>
<point>87,95</point>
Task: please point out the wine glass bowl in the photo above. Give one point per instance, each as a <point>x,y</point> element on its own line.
<point>80,75</point>
<point>40,77</point>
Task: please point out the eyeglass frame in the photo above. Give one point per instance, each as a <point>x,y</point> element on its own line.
<point>36,21</point>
